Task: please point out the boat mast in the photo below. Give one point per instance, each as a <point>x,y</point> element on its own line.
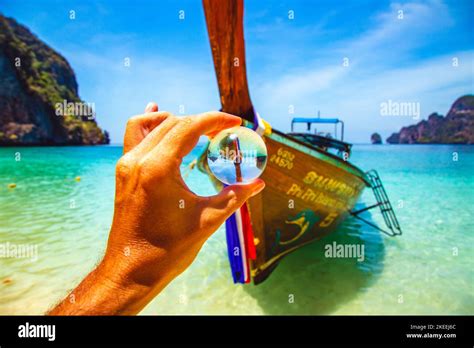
<point>224,19</point>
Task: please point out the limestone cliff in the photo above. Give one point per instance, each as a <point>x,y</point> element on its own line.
<point>34,80</point>
<point>456,128</point>
<point>376,139</point>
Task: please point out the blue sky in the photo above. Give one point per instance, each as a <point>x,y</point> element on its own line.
<point>291,62</point>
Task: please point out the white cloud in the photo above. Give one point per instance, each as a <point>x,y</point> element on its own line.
<point>419,19</point>
<point>355,95</point>
<point>120,92</point>
<point>381,68</point>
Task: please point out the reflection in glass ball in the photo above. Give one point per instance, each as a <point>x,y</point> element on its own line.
<point>237,155</point>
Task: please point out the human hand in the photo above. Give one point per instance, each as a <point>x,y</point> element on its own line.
<point>159,224</point>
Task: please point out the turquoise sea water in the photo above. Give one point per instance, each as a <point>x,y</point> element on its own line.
<point>428,270</point>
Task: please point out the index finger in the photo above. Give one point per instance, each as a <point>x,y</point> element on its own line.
<point>138,127</point>
<point>185,135</point>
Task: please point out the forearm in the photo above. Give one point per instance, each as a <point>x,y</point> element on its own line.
<point>107,290</point>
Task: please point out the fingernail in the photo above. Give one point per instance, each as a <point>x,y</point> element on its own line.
<point>149,106</point>
<point>260,186</point>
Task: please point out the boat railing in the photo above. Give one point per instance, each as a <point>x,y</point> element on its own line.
<point>343,149</point>
<point>323,140</point>
<point>318,120</point>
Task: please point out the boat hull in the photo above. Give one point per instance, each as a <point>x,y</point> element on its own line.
<point>308,194</point>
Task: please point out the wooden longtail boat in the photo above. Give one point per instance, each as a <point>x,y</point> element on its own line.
<point>309,190</point>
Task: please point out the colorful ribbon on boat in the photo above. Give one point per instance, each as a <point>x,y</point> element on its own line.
<point>240,244</point>
<point>261,126</point>
<point>239,233</point>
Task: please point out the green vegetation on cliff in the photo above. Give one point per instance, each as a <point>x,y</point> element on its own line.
<point>34,79</point>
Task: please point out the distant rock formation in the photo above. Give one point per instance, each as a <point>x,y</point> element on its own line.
<point>375,138</point>
<point>34,81</point>
<point>456,128</point>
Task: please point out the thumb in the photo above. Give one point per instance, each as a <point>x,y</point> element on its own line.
<point>231,198</point>
<point>151,107</point>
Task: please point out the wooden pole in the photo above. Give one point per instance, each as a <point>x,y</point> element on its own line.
<point>224,19</point>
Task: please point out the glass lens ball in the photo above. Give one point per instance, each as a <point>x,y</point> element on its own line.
<point>237,155</point>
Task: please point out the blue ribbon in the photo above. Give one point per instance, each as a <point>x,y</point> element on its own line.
<point>233,250</point>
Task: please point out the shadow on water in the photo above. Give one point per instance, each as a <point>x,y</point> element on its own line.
<point>318,284</point>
